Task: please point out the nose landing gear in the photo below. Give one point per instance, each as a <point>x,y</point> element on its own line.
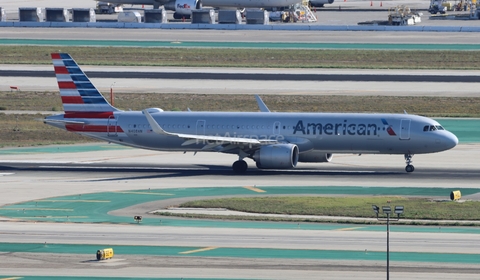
<point>408,159</point>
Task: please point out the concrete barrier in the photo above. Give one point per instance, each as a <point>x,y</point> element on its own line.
<point>155,16</point>
<point>57,15</point>
<point>83,15</point>
<point>31,24</point>
<point>106,24</point>
<point>442,28</point>
<point>229,17</point>
<point>256,16</point>
<point>6,24</point>
<point>254,27</point>
<point>470,29</point>
<point>203,16</point>
<point>3,15</point>
<point>291,27</point>
<point>365,28</point>
<point>29,14</point>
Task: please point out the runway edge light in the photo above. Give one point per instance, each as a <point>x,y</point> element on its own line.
<point>455,195</point>
<point>104,254</point>
<point>138,219</point>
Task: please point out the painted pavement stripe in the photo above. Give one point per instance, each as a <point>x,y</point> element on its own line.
<point>198,250</point>
<point>11,278</point>
<point>347,229</point>
<point>255,189</point>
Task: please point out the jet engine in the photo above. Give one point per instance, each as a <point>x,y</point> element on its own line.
<point>277,156</point>
<point>314,156</point>
<point>183,8</point>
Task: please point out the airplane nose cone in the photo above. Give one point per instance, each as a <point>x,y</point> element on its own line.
<point>451,140</point>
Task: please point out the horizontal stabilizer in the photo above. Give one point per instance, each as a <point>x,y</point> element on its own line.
<point>62,121</point>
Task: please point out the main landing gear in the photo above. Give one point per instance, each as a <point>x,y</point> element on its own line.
<point>408,159</point>
<point>240,166</point>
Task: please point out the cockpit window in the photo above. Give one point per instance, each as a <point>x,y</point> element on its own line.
<point>432,128</point>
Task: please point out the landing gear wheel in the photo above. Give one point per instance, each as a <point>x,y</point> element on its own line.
<point>408,160</point>
<point>240,166</point>
<point>409,168</point>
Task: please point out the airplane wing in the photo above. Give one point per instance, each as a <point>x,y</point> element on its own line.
<point>212,142</point>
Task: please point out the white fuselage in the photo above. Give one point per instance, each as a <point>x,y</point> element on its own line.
<point>326,132</point>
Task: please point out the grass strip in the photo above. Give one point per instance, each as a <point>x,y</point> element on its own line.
<point>421,105</point>
<point>357,206</point>
<point>269,58</point>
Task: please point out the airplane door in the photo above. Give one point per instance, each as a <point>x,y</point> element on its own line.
<point>112,126</point>
<point>276,128</point>
<point>405,129</point>
<point>200,127</point>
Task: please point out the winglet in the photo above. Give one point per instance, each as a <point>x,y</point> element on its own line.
<point>155,126</point>
<point>261,105</point>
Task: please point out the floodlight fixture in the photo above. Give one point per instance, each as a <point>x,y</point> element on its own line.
<point>387,210</point>
<point>375,208</point>
<point>399,210</point>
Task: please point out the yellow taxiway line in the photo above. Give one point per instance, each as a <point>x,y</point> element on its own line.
<point>255,189</point>
<point>346,229</point>
<point>198,250</point>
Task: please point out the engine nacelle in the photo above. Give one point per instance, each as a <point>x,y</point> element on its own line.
<point>314,156</point>
<point>183,8</point>
<point>277,156</point>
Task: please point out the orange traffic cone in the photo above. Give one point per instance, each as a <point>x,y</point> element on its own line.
<point>371,3</point>
<point>381,4</point>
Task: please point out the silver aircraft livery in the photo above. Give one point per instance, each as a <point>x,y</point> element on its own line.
<point>272,140</point>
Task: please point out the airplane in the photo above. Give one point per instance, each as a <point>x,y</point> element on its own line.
<point>183,8</point>
<point>273,140</point>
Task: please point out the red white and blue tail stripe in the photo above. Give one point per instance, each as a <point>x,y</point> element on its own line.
<point>78,93</point>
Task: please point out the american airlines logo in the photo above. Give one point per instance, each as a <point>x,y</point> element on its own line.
<point>342,128</point>
<point>388,127</point>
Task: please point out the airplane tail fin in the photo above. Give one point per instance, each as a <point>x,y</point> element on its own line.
<point>78,93</point>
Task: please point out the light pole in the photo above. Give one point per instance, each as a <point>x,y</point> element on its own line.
<point>387,210</point>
